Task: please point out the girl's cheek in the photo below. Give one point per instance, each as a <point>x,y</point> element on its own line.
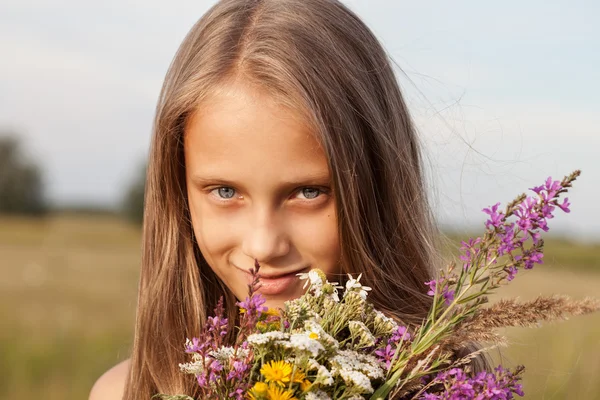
<point>317,234</point>
<point>210,227</point>
<point>218,228</point>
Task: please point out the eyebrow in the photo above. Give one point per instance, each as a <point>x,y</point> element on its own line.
<point>307,180</point>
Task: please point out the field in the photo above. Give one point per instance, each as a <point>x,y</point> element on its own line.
<point>68,291</point>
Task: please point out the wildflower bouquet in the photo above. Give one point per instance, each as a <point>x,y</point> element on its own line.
<point>330,344</point>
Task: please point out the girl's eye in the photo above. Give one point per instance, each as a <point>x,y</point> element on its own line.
<point>225,192</point>
<point>310,193</point>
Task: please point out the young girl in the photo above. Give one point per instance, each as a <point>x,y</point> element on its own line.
<point>280,136</point>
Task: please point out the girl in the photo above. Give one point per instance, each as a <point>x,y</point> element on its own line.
<point>280,136</point>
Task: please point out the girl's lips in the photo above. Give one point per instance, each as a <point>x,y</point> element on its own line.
<point>275,285</point>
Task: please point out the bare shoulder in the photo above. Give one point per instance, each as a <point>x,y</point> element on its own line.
<point>111,385</point>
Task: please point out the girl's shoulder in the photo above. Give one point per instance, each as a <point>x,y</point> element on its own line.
<point>111,385</point>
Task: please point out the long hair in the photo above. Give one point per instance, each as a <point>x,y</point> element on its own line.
<point>318,57</point>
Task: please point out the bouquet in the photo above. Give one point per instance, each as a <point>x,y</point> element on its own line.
<point>331,343</point>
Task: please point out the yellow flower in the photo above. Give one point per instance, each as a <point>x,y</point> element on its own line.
<point>305,385</point>
<point>261,326</point>
<point>313,335</point>
<point>271,312</point>
<point>258,391</point>
<point>275,326</point>
<point>278,372</point>
<point>299,376</point>
<point>277,393</point>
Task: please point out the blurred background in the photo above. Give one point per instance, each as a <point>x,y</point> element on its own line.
<point>503,94</point>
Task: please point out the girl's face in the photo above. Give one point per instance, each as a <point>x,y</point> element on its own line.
<point>259,187</point>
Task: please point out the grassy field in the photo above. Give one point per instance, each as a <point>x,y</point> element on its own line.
<point>68,290</point>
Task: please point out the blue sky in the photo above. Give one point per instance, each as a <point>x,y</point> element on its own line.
<point>503,93</point>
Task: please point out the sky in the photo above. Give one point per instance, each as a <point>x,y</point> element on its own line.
<point>504,94</point>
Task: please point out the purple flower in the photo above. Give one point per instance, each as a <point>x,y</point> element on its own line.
<point>552,187</point>
<point>385,354</point>
<point>215,368</point>
<point>532,215</point>
<point>238,393</point>
<point>549,189</point>
<point>448,296</point>
<point>470,251</point>
<point>218,325</point>
<point>530,257</point>
<point>195,346</point>
<point>507,240</point>
<point>202,380</point>
<point>536,236</point>
<point>565,205</point>
<point>537,189</point>
<point>511,272</point>
<point>470,244</point>
<point>526,214</point>
<point>543,225</point>
<point>432,285</point>
<point>547,211</point>
<point>400,333</point>
<point>239,368</point>
<point>500,385</point>
<point>254,305</point>
<point>443,282</point>
<point>495,216</point>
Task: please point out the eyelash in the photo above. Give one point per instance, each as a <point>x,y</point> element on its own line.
<point>320,190</point>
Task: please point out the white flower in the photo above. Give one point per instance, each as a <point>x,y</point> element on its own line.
<point>359,330</point>
<point>315,279</point>
<point>335,295</point>
<point>304,276</point>
<point>372,369</point>
<point>325,338</point>
<point>358,379</point>
<point>195,367</point>
<point>263,338</point>
<point>312,277</point>
<point>312,364</point>
<point>383,322</point>
<point>226,353</point>
<point>223,353</point>
<point>318,395</point>
<point>332,289</point>
<point>354,285</point>
<point>324,376</point>
<point>348,360</point>
<point>304,341</point>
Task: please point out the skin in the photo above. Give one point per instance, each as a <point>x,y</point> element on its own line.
<point>259,187</point>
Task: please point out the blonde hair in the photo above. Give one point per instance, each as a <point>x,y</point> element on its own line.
<point>318,57</point>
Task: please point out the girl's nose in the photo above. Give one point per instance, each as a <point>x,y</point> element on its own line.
<point>265,237</point>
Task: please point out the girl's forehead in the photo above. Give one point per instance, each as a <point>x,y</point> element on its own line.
<point>238,112</point>
<point>241,96</point>
<point>247,132</point>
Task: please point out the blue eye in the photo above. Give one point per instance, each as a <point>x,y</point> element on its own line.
<point>226,192</point>
<point>311,193</point>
